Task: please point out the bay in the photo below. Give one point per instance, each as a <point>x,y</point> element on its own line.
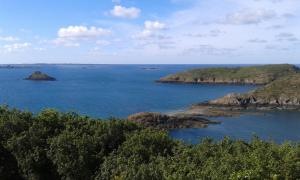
<point>104,91</point>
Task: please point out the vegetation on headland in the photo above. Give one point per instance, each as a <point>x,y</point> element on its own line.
<point>39,76</point>
<point>259,75</point>
<point>53,145</point>
<point>281,93</point>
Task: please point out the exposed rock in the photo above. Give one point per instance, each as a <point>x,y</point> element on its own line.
<point>163,121</point>
<point>235,99</point>
<point>39,76</point>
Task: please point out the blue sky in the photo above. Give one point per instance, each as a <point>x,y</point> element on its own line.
<point>150,32</point>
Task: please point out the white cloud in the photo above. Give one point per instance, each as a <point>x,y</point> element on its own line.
<point>82,32</point>
<point>39,49</point>
<point>206,49</point>
<point>286,37</point>
<point>256,40</point>
<point>8,38</point>
<point>151,29</point>
<point>154,25</point>
<point>16,47</point>
<point>250,16</point>
<point>72,36</point>
<point>273,1</point>
<point>116,1</point>
<point>199,31</point>
<point>211,33</point>
<point>103,43</point>
<point>276,47</point>
<point>65,42</point>
<point>153,37</point>
<point>275,27</point>
<point>123,12</point>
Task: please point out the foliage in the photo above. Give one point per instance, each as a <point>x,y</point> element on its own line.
<point>8,165</point>
<point>54,145</point>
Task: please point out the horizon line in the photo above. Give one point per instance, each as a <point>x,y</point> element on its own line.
<point>7,64</point>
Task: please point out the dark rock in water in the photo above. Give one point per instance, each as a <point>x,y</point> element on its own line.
<point>39,76</point>
<point>165,122</point>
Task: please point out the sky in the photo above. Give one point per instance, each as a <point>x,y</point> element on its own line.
<point>150,31</point>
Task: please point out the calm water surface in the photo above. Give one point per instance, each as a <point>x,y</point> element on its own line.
<point>121,90</point>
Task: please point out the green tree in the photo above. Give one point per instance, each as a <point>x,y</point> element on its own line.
<point>8,166</point>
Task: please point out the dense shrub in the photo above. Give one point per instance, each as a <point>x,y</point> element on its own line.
<point>54,145</point>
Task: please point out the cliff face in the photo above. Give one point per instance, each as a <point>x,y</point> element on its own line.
<point>259,75</point>
<point>282,93</point>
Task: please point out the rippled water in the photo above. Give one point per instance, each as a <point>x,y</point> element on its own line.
<point>275,126</point>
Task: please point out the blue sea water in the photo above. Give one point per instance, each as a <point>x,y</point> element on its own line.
<point>120,90</point>
<point>273,126</point>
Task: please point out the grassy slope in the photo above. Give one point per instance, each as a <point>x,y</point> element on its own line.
<point>253,74</point>
<point>281,92</point>
<point>288,87</point>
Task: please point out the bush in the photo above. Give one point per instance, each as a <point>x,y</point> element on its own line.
<point>54,145</point>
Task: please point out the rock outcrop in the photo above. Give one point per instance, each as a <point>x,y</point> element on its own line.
<point>39,76</point>
<point>235,99</point>
<point>166,122</point>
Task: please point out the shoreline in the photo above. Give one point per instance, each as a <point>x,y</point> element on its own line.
<point>211,83</point>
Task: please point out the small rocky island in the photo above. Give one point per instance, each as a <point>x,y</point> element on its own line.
<point>257,75</point>
<point>167,122</point>
<point>39,76</point>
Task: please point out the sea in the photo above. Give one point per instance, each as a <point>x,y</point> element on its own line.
<point>104,91</point>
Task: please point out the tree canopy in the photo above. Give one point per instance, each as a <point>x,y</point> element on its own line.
<point>68,146</point>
